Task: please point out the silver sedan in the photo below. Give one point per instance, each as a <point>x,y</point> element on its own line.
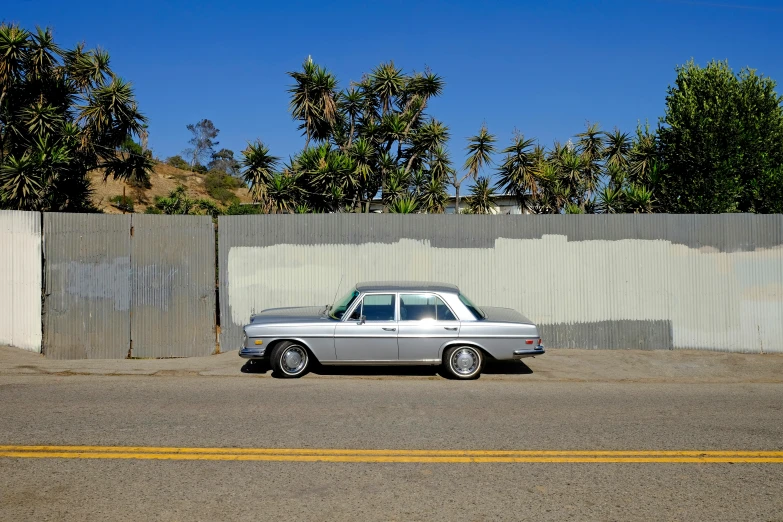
<point>385,323</point>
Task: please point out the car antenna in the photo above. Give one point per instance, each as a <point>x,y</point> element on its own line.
<point>329,307</point>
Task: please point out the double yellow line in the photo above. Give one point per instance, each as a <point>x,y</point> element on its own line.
<point>367,455</point>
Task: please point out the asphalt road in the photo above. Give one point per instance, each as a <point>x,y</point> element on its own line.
<point>386,414</point>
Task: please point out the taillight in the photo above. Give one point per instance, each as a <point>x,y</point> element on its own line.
<point>529,341</point>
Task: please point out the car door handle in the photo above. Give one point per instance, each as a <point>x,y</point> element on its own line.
<point>390,329</point>
<point>452,328</point>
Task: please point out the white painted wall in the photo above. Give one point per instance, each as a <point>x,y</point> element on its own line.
<point>714,300</point>
<point>20,279</point>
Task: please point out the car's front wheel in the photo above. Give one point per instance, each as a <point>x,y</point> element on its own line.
<point>289,359</point>
<point>463,362</point>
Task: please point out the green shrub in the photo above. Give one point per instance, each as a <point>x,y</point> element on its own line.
<point>238,209</point>
<point>153,210</point>
<point>178,162</point>
<point>122,202</point>
<point>219,186</point>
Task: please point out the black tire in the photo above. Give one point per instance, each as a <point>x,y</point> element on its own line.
<point>463,362</point>
<point>289,360</point>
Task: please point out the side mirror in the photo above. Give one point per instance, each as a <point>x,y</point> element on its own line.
<point>362,319</point>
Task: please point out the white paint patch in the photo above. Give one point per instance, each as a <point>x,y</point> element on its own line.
<point>714,300</point>
<point>20,279</point>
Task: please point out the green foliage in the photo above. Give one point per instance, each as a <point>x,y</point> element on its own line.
<point>122,202</point>
<point>721,142</point>
<point>224,161</point>
<point>63,113</point>
<point>220,186</point>
<point>482,197</point>
<point>202,141</point>
<point>239,209</point>
<point>178,202</point>
<point>178,162</point>
<point>370,137</point>
<point>404,205</point>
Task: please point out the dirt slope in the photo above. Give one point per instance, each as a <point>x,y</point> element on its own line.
<point>164,179</point>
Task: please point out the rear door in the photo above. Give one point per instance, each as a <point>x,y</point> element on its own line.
<point>426,322</point>
<point>373,339</point>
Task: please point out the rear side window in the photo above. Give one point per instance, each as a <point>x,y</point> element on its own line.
<point>421,307</point>
<point>475,310</point>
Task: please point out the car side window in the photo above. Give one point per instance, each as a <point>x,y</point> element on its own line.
<point>422,307</point>
<point>375,307</point>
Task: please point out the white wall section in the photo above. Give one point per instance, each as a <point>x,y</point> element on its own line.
<point>20,279</point>
<point>622,293</point>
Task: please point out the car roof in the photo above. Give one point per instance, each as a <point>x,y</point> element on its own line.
<point>395,286</point>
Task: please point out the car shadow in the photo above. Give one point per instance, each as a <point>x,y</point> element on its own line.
<point>491,367</point>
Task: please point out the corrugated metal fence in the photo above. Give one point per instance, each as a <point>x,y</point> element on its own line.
<point>125,285</point>
<point>20,279</point>
<point>625,281</point>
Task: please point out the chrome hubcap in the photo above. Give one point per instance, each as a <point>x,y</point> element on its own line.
<point>293,359</point>
<point>465,361</point>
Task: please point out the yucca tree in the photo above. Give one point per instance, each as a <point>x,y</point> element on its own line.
<point>432,194</point>
<point>638,199</point>
<point>617,149</point>
<point>479,155</point>
<point>63,113</point>
<point>404,205</point>
<point>380,123</point>
<point>518,174</point>
<point>482,197</point>
<point>282,193</point>
<point>610,200</point>
<point>314,101</point>
<point>591,149</point>
<point>258,167</point>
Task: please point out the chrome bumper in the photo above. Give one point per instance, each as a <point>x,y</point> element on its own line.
<point>252,353</point>
<point>521,354</point>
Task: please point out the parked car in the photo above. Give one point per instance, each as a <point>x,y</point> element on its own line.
<point>384,323</point>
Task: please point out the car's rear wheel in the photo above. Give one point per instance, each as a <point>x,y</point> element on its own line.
<point>289,359</point>
<point>463,362</point>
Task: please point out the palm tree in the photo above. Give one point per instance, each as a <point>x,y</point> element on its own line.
<point>482,197</point>
<point>259,166</point>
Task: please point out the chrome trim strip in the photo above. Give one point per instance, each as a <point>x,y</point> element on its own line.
<point>388,362</point>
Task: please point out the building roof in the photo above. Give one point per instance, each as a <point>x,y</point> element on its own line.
<point>395,286</point>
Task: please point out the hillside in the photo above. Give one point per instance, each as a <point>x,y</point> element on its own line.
<point>164,179</point>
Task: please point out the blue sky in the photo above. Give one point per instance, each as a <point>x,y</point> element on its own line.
<point>544,68</point>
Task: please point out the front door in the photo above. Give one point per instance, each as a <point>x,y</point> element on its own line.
<point>369,332</point>
<point>426,323</point>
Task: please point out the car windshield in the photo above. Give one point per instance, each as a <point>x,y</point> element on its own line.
<point>338,310</point>
<point>475,310</point>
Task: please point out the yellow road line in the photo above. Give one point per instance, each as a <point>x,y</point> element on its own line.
<point>365,455</point>
<point>445,453</point>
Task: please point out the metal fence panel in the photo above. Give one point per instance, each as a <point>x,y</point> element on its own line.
<point>20,279</point>
<point>624,281</point>
<point>87,278</point>
<point>173,286</point>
